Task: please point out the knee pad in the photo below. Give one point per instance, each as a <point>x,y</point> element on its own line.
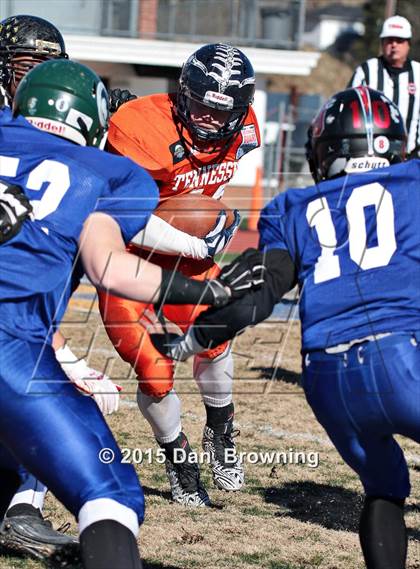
<point>155,381</point>
<point>155,372</point>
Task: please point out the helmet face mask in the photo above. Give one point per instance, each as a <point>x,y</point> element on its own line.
<point>67,99</point>
<point>19,66</point>
<point>356,130</point>
<point>26,41</point>
<point>208,124</point>
<point>216,87</point>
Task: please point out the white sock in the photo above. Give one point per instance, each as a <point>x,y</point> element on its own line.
<point>107,509</point>
<point>31,492</point>
<point>162,413</point>
<point>215,378</point>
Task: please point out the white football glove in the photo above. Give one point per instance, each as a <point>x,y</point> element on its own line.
<point>104,391</point>
<point>94,383</point>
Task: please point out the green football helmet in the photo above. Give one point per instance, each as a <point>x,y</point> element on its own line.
<point>67,99</point>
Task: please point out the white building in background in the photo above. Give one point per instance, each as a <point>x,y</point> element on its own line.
<point>326,24</point>
<point>141,44</point>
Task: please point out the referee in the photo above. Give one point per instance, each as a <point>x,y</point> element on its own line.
<point>396,75</point>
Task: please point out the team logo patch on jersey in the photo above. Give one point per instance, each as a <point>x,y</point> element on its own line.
<point>178,152</point>
<point>249,141</point>
<point>411,88</point>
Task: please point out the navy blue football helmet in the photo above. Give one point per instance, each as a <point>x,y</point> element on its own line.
<point>221,78</point>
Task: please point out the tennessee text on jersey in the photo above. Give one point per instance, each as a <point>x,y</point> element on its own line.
<point>158,148</point>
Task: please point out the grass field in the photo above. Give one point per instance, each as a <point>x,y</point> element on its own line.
<point>289,516</point>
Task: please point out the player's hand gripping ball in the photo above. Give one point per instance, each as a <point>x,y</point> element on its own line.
<point>203,217</point>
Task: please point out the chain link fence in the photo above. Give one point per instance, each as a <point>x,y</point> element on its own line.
<point>285,134</point>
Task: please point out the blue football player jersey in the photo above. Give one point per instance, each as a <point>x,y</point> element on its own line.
<point>355,241</point>
<point>65,184</point>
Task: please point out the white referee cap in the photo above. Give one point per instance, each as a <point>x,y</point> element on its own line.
<point>396,27</point>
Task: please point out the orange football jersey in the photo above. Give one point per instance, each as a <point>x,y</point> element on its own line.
<point>145,130</point>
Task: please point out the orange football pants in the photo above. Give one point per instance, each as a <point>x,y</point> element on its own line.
<point>122,320</point>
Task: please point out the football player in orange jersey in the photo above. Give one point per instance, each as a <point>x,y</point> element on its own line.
<point>190,141</point>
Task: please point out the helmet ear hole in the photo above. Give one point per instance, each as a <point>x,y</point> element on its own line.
<point>356,130</point>
<point>221,78</point>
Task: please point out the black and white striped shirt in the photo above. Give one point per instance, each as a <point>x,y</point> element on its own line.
<point>401,86</point>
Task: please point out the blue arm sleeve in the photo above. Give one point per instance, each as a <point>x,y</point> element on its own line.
<point>271,225</point>
<point>131,199</point>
